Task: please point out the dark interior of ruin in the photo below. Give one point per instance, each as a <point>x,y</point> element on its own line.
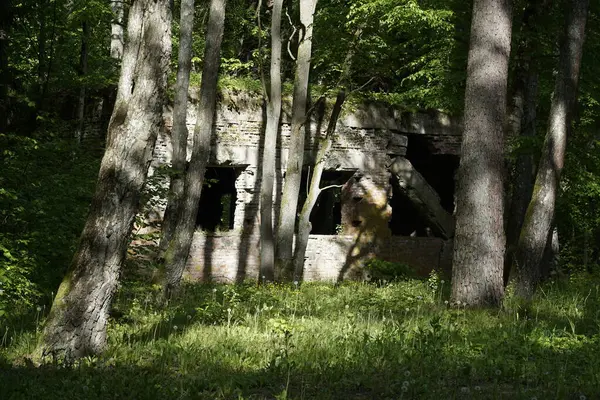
<point>438,170</point>
<point>326,216</point>
<point>217,203</point>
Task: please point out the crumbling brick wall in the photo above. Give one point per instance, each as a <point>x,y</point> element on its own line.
<point>365,141</point>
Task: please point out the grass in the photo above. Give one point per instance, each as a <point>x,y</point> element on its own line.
<point>320,341</point>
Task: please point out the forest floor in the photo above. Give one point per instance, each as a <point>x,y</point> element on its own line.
<point>319,341</point>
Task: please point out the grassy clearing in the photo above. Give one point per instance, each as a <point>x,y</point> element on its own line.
<point>354,341</point>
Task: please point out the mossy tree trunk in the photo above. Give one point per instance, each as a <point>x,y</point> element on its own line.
<point>522,126</point>
<point>77,322</point>
<point>477,273</point>
<point>314,190</point>
<point>293,172</point>
<point>540,213</point>
<point>267,240</point>
<point>179,133</point>
<point>178,247</point>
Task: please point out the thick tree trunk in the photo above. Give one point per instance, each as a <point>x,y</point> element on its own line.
<point>77,322</point>
<point>267,242</point>
<point>479,241</point>
<point>522,124</point>
<point>178,248</point>
<point>293,172</point>
<point>540,212</point>
<point>179,134</point>
<point>117,37</point>
<point>83,67</point>
<point>304,225</point>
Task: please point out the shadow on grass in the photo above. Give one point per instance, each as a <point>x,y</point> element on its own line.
<point>373,370</point>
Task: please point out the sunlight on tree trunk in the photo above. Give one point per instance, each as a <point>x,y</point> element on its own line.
<point>117,37</point>
<point>77,322</point>
<point>293,171</point>
<point>314,190</point>
<point>477,273</point>
<point>178,248</point>
<point>267,240</point>
<point>179,134</point>
<point>540,213</point>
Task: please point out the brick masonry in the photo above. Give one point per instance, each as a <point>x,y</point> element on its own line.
<point>366,140</point>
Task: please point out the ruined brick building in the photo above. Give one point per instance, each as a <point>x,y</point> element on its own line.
<point>397,170</point>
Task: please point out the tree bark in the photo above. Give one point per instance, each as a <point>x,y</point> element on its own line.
<point>293,172</point>
<point>179,134</point>
<point>479,242</point>
<point>5,81</point>
<point>522,124</point>
<point>77,322</point>
<point>267,242</point>
<point>540,213</point>
<point>117,38</point>
<point>83,67</point>
<point>304,225</point>
<point>178,248</point>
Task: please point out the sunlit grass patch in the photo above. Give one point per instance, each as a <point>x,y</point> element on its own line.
<point>315,340</point>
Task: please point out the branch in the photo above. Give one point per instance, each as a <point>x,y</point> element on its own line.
<point>291,36</point>
<point>363,86</point>
<point>330,187</point>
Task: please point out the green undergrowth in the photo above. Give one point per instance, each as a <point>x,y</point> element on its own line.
<point>319,341</point>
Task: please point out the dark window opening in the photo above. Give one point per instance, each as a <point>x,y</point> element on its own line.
<point>326,216</point>
<point>406,219</point>
<point>216,209</point>
<point>438,170</point>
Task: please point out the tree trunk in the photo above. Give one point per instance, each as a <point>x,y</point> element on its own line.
<point>5,81</point>
<point>479,242</point>
<point>293,172</point>
<point>178,248</point>
<point>551,255</point>
<point>267,245</point>
<point>83,67</point>
<point>117,39</point>
<point>522,124</point>
<point>77,322</point>
<point>540,212</point>
<point>304,225</point>
<point>179,134</point>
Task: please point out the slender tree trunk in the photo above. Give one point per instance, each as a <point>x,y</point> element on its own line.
<point>178,248</point>
<point>522,124</point>
<point>83,67</point>
<point>5,22</point>
<point>304,225</point>
<point>179,134</point>
<point>551,255</point>
<point>293,172</point>
<point>479,242</point>
<point>267,243</point>
<point>117,37</point>
<point>41,42</point>
<point>77,322</point>
<point>540,212</point>
<point>49,60</point>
